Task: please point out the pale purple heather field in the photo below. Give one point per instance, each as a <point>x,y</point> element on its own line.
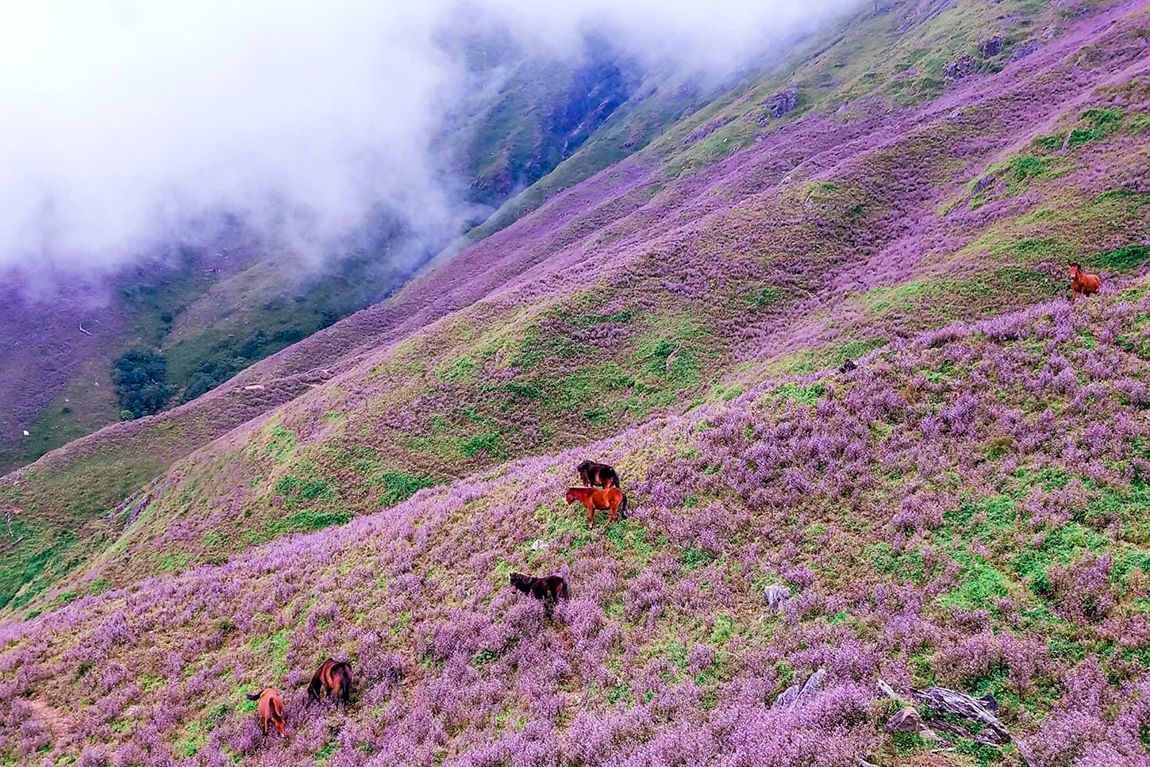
<point>799,272</point>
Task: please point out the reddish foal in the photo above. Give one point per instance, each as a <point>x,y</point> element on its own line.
<point>611,498</point>
<point>1082,282</point>
<point>271,709</point>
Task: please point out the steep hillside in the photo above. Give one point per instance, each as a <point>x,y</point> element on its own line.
<point>966,509</point>
<point>674,278</point>
<point>219,300</point>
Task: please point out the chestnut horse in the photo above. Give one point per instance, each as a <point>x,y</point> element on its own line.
<point>1082,282</point>
<point>271,709</point>
<point>550,589</point>
<point>611,498</point>
<point>597,475</point>
<point>333,678</point>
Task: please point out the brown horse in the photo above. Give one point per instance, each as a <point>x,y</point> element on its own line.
<point>597,475</point>
<point>1082,282</point>
<point>334,679</point>
<point>550,589</point>
<point>611,498</point>
<point>271,710</point>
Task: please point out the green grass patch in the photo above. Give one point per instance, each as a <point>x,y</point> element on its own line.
<point>280,443</point>
<point>981,584</point>
<point>1100,125</point>
<point>300,492</point>
<point>1061,544</point>
<point>173,562</point>
<point>309,521</point>
<point>694,557</point>
<point>807,395</point>
<point>1125,257</point>
<point>764,297</point>
<point>458,371</point>
<point>398,486</point>
<point>626,315</point>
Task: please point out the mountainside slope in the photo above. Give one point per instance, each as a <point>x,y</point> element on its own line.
<point>965,509</point>
<point>632,294</point>
<point>219,297</point>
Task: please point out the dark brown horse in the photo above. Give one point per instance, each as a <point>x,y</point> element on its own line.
<point>334,679</point>
<point>550,589</point>
<point>1082,282</point>
<point>271,710</point>
<point>597,475</point>
<point>611,498</point>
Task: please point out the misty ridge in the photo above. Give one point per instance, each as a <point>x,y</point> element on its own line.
<point>131,128</point>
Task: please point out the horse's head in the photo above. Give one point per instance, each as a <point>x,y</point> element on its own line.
<point>521,581</point>
<point>1075,269</point>
<point>583,466</point>
<point>572,494</point>
<point>281,727</point>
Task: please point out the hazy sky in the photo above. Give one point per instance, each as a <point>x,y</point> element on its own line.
<point>120,119</point>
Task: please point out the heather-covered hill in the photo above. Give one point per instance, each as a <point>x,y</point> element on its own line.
<point>966,509</point>
<point>663,282</point>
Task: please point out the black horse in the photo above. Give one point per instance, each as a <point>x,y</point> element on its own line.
<point>550,589</point>
<point>597,475</point>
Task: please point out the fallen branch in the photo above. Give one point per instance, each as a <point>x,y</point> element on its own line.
<point>942,700</point>
<point>82,329</point>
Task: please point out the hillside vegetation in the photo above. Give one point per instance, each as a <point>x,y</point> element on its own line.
<point>966,509</point>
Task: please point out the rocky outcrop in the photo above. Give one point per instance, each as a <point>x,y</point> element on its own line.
<point>1025,50</point>
<point>990,47</point>
<point>963,66</point>
<point>782,103</point>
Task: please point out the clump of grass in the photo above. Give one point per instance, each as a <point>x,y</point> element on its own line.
<point>309,521</point>
<point>764,297</point>
<point>1125,257</point>
<point>299,492</point>
<point>399,486</point>
<point>1100,124</point>
<point>808,395</point>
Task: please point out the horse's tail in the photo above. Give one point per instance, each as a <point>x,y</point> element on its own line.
<point>254,696</point>
<point>277,709</point>
<point>345,684</point>
<point>623,506</point>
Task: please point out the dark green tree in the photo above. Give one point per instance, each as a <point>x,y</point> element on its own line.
<point>140,379</point>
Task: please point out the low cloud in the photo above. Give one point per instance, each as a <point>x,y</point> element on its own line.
<point>123,123</point>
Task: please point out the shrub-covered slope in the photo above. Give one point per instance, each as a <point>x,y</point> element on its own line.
<point>660,283</point>
<point>966,509</point>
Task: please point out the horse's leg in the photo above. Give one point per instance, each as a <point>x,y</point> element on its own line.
<point>590,515</point>
<point>614,515</point>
